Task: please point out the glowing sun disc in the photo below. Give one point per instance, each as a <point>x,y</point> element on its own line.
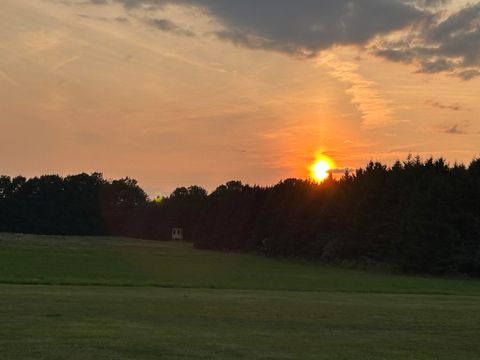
<point>320,170</point>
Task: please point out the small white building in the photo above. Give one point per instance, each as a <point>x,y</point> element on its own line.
<point>177,234</point>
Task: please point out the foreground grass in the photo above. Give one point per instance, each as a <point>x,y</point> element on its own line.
<point>207,305</point>
<point>50,322</point>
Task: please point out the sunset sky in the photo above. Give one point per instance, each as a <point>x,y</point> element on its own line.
<point>185,92</point>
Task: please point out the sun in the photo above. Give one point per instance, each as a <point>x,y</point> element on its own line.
<point>320,169</point>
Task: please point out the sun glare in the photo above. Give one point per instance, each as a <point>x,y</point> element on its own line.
<point>320,170</point>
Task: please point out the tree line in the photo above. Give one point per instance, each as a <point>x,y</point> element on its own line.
<point>418,215</point>
<point>84,204</point>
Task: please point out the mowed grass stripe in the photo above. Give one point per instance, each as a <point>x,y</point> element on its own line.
<point>91,261</point>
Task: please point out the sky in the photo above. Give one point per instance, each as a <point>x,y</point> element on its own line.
<point>176,93</point>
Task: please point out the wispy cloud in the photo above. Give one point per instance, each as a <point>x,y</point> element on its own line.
<point>62,63</point>
<point>364,93</point>
<point>452,128</point>
<point>455,130</point>
<point>9,79</point>
<point>439,105</point>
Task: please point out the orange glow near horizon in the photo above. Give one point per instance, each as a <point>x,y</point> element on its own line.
<point>320,169</point>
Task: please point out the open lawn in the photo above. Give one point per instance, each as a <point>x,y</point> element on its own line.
<point>108,298</point>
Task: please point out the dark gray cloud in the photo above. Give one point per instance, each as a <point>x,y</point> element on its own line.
<point>308,26</point>
<point>468,74</point>
<point>169,26</point>
<point>434,41</point>
<point>441,44</point>
<point>301,27</point>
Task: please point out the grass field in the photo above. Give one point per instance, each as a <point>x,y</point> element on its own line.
<point>107,298</point>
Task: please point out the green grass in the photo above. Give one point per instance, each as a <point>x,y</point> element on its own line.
<point>107,298</point>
